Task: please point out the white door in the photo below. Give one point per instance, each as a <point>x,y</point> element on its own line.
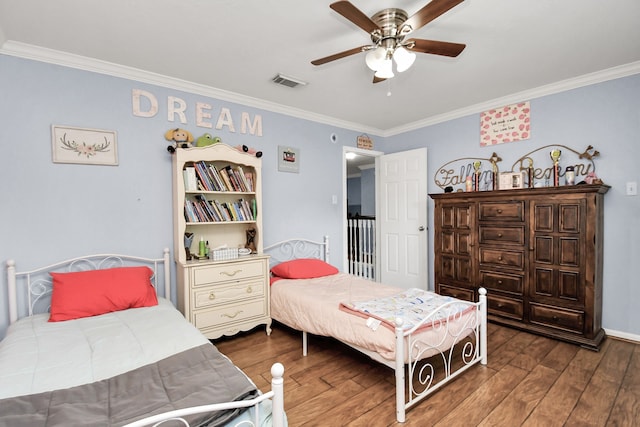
<point>401,183</point>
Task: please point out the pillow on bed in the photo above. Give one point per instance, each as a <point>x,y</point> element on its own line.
<point>90,293</point>
<point>303,268</point>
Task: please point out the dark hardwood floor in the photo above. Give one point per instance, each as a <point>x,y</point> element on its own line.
<point>529,381</point>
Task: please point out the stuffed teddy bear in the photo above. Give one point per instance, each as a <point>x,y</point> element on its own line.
<point>207,139</point>
<point>181,139</point>
<point>245,149</point>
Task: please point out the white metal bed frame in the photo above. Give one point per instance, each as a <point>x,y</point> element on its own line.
<point>419,371</point>
<point>37,284</point>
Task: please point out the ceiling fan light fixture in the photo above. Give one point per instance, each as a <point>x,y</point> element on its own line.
<point>375,58</point>
<point>404,58</point>
<point>386,69</point>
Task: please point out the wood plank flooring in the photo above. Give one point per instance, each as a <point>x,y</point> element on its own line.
<point>529,381</point>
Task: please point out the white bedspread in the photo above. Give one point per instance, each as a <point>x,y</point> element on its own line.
<point>312,305</point>
<point>78,353</point>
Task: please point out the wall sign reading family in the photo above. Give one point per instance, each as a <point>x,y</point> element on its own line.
<point>86,146</point>
<point>145,104</point>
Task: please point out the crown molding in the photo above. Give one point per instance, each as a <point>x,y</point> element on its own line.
<point>550,89</point>
<point>37,53</point>
<point>51,56</point>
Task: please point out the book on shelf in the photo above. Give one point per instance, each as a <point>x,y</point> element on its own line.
<point>202,176</point>
<point>243,178</point>
<point>190,182</point>
<point>216,178</point>
<point>226,179</point>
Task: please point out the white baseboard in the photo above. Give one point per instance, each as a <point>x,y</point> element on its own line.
<point>623,335</point>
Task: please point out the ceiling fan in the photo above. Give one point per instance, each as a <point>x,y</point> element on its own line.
<point>388,30</point>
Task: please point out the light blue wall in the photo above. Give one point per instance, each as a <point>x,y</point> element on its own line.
<point>55,211</point>
<point>606,116</point>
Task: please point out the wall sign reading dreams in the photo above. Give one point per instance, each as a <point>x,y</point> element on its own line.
<point>145,104</point>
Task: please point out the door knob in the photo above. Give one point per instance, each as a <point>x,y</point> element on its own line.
<point>421,228</point>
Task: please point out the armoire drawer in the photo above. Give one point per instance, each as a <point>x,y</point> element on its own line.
<point>567,320</point>
<point>502,258</point>
<point>511,283</point>
<point>503,211</point>
<point>498,235</point>
<point>235,271</point>
<point>230,292</point>
<point>505,307</point>
<point>452,291</point>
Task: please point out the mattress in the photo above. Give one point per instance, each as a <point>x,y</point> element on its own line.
<point>38,356</point>
<point>312,305</point>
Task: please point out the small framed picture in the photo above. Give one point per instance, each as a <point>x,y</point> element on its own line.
<point>511,180</point>
<point>288,159</point>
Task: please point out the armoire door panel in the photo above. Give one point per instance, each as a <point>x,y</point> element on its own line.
<point>543,218</point>
<point>569,218</point>
<point>569,254</point>
<point>569,287</point>
<point>464,244</point>
<point>543,249</point>
<point>448,245</point>
<point>448,217</point>
<point>542,282</point>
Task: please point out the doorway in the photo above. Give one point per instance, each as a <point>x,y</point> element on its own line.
<point>359,192</point>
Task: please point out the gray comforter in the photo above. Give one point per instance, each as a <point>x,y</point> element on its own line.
<point>194,377</point>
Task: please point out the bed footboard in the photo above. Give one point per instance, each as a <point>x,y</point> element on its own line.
<point>253,416</point>
<point>425,375</point>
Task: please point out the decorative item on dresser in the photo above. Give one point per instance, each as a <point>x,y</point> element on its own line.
<point>226,291</point>
<point>538,252</point>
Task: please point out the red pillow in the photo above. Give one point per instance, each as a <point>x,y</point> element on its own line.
<point>90,293</point>
<point>303,268</point>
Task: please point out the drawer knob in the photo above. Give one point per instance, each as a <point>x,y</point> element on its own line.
<point>500,235</point>
<point>555,318</point>
<point>212,296</point>
<point>249,289</point>
<point>230,273</point>
<point>499,211</point>
<point>500,258</point>
<point>499,282</point>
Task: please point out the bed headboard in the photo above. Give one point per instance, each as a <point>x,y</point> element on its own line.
<point>35,286</point>
<point>298,248</point>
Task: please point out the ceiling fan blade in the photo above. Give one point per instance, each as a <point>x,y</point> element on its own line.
<point>427,14</point>
<point>354,15</point>
<point>378,79</point>
<point>338,55</point>
<point>436,47</point>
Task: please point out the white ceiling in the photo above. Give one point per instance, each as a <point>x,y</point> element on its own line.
<point>516,50</point>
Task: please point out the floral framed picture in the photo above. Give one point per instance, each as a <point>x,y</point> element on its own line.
<point>84,146</point>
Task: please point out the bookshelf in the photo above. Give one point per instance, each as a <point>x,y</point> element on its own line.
<point>217,197</point>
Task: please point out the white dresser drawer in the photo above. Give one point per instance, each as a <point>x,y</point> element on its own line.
<point>206,275</point>
<point>227,293</point>
<point>232,313</point>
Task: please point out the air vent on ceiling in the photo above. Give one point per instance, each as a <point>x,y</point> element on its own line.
<point>281,79</point>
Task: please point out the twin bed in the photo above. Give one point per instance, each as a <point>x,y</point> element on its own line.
<point>427,339</point>
<point>90,343</point>
<point>115,353</point>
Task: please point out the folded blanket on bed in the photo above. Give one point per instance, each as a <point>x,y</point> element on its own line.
<point>194,377</point>
<point>412,306</point>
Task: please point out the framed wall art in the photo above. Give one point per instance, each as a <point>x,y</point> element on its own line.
<point>288,159</point>
<point>84,146</point>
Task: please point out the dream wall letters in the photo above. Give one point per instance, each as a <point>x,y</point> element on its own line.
<point>145,104</point>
